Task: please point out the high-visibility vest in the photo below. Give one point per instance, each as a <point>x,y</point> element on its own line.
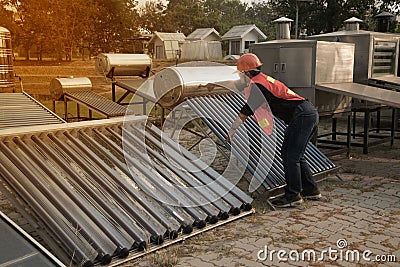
<point>263,114</point>
<point>277,88</point>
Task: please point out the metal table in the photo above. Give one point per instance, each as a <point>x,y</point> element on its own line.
<point>363,92</point>
<point>386,81</point>
<point>368,93</point>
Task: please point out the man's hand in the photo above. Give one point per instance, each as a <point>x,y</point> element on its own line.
<point>230,136</point>
<point>209,86</point>
<point>231,133</point>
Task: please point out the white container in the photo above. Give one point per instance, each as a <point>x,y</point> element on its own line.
<point>111,65</point>
<point>59,86</point>
<point>174,84</point>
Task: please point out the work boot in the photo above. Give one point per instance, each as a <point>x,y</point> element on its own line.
<point>283,202</point>
<point>314,195</point>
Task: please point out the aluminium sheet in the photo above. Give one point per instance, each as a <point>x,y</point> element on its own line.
<point>18,248</point>
<point>363,92</point>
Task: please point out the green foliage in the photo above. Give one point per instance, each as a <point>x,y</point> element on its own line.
<point>151,16</point>
<point>63,26</point>
<point>329,15</point>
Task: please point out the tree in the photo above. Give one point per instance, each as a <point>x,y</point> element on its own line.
<point>113,22</point>
<point>183,16</point>
<point>61,27</point>
<point>329,15</point>
<point>262,15</point>
<point>151,16</point>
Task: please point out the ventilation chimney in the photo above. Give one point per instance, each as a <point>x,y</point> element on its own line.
<point>384,19</point>
<point>283,28</point>
<point>352,24</point>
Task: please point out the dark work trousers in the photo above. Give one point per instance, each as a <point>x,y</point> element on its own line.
<point>297,135</point>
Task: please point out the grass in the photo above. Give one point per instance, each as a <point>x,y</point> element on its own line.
<point>163,259</point>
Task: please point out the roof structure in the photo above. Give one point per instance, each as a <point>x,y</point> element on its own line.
<point>202,33</point>
<point>167,36</point>
<point>239,31</point>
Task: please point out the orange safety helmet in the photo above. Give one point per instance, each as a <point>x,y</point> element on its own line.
<point>247,62</point>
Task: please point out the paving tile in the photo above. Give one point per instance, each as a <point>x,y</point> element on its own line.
<point>364,210</point>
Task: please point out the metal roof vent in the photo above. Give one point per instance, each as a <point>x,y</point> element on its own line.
<point>384,19</point>
<point>283,28</point>
<point>352,24</point>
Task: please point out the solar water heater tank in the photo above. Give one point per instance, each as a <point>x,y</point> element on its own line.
<point>6,59</point>
<point>111,65</point>
<point>59,86</point>
<point>173,85</point>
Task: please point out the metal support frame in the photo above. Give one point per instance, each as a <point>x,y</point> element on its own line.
<point>152,248</point>
<point>366,134</point>
<point>334,144</point>
<point>125,95</point>
<point>204,134</point>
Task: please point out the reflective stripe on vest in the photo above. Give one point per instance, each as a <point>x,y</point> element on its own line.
<point>277,88</point>
<point>262,114</point>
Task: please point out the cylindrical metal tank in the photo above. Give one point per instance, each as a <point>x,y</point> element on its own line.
<point>111,65</point>
<point>174,84</point>
<point>59,86</point>
<point>6,59</point>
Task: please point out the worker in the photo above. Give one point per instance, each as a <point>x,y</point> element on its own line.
<point>301,118</point>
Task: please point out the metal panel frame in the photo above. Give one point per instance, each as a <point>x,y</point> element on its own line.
<point>72,177</point>
<point>217,118</point>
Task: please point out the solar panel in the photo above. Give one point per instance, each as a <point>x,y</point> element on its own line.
<point>19,249</point>
<point>19,110</point>
<point>90,186</point>
<point>260,153</point>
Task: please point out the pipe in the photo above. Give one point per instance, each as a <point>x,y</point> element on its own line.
<point>224,183</point>
<point>90,212</point>
<point>200,177</point>
<point>21,183</point>
<point>80,222</point>
<point>198,199</point>
<point>149,207</point>
<point>182,218</point>
<point>135,232</point>
<point>198,217</point>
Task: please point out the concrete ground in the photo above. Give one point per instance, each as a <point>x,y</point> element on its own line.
<point>356,224</point>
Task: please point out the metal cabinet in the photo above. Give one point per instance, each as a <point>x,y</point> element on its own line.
<point>291,62</point>
<point>301,64</point>
<point>296,66</point>
<point>376,53</point>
